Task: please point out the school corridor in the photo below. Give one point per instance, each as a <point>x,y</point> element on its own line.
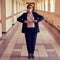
<point>12,40</point>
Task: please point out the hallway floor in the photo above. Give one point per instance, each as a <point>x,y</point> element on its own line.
<point>47,46</point>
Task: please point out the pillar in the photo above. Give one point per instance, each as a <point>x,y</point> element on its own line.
<point>3,15</point>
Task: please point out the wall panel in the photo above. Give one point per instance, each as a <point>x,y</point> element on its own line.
<point>8,8</point>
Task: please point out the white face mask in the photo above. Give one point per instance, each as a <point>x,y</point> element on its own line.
<point>29,10</point>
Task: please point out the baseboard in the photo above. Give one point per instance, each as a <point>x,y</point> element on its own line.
<point>10,29</point>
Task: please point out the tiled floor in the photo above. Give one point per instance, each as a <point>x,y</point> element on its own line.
<point>47,48</point>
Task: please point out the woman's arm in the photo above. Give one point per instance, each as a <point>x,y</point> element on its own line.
<point>21,18</point>
<point>39,17</point>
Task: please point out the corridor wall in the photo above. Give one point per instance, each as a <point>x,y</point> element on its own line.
<point>0,21</point>
<point>52,13</point>
<point>8,14</point>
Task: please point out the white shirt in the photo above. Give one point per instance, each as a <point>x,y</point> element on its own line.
<point>30,17</point>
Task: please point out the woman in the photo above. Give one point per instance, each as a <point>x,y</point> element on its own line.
<point>30,27</point>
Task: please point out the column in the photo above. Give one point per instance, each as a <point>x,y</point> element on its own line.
<point>57,7</point>
<point>12,12</point>
<point>3,15</point>
<point>48,5</point>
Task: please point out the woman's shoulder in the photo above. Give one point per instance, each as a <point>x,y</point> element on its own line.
<point>35,13</point>
<point>24,13</point>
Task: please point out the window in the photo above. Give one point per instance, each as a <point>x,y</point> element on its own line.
<point>38,6</point>
<point>52,5</point>
<point>46,5</point>
<point>42,5</point>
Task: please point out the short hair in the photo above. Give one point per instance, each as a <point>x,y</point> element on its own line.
<point>29,5</point>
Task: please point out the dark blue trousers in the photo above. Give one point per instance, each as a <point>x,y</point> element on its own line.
<point>30,40</point>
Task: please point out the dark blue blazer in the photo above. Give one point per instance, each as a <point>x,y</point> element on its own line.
<point>24,26</point>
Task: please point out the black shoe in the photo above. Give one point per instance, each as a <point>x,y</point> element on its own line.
<point>29,56</point>
<point>32,56</point>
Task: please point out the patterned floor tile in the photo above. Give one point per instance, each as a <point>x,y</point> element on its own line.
<point>48,46</point>
<point>36,54</point>
<point>24,51</point>
<point>15,58</point>
<point>19,50</point>
<point>53,56</point>
<point>16,54</point>
<point>50,50</point>
<point>26,58</point>
<point>41,48</point>
<point>44,58</point>
<point>18,46</point>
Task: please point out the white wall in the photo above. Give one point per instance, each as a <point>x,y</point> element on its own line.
<point>15,19</point>
<point>52,5</point>
<point>46,5</point>
<point>8,8</point>
<point>8,24</point>
<point>15,6</point>
<point>8,13</point>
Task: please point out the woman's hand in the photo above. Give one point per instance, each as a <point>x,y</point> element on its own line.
<point>26,21</point>
<point>35,21</point>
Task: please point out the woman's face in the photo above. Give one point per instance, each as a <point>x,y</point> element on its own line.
<point>30,9</point>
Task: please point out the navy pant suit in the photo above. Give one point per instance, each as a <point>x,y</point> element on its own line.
<point>30,33</point>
